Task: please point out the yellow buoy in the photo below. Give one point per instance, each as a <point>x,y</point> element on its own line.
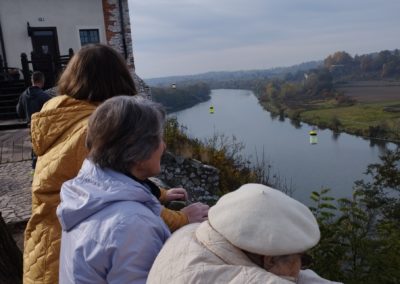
<point>313,137</point>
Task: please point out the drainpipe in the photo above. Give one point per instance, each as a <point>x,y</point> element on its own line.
<point>3,49</point>
<point>121,14</point>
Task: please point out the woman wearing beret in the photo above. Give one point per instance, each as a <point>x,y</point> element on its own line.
<point>255,234</point>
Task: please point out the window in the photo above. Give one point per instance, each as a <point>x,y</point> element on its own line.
<point>89,36</point>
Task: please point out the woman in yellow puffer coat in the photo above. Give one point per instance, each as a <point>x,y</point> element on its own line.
<point>94,74</point>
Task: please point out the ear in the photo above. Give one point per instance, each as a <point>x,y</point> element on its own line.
<point>268,262</point>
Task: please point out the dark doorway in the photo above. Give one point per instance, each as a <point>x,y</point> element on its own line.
<point>45,41</point>
<point>45,52</point>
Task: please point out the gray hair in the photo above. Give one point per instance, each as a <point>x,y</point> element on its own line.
<point>123,131</point>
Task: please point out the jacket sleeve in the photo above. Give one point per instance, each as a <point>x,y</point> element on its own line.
<point>20,107</point>
<point>163,195</point>
<point>174,219</point>
<point>136,248</point>
<point>44,98</point>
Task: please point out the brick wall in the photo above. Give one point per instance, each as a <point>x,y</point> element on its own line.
<point>114,35</point>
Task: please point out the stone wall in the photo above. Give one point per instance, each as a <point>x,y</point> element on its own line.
<point>114,34</point>
<point>200,180</point>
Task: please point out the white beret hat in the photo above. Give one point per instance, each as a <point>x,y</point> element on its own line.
<point>265,221</point>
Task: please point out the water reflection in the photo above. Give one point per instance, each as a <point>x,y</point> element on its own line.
<point>381,144</point>
<point>296,123</point>
<point>273,116</point>
<point>335,136</point>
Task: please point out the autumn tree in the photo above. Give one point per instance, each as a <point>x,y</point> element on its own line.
<point>338,58</point>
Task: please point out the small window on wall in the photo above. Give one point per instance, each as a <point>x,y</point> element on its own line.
<point>89,36</point>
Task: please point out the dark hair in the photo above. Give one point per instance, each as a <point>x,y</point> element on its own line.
<point>123,131</point>
<point>37,77</point>
<point>96,73</point>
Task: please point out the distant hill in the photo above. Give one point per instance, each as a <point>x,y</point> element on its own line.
<point>223,76</point>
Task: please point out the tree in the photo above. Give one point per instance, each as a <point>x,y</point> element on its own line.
<point>360,237</point>
<point>338,58</point>
<point>366,63</point>
<point>387,173</point>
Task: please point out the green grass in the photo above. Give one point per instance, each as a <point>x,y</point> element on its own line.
<point>357,118</point>
<point>323,104</point>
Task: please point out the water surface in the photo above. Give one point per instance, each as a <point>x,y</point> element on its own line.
<point>335,162</point>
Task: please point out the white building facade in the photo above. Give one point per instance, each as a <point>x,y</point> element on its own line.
<point>55,26</point>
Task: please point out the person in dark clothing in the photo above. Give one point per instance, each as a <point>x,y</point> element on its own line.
<point>31,101</point>
<point>33,98</point>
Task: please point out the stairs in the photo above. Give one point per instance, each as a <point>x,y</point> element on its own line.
<point>9,94</point>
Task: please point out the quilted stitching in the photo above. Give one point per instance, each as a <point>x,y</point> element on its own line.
<point>58,135</point>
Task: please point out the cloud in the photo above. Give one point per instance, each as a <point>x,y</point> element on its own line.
<point>174,37</point>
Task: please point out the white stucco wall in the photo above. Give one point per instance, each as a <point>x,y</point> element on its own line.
<point>68,16</point>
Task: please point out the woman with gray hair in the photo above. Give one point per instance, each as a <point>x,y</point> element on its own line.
<point>110,214</point>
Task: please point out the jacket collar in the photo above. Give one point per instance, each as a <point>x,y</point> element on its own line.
<point>221,247</point>
<point>226,251</point>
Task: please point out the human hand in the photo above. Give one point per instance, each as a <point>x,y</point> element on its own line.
<point>196,212</point>
<point>176,194</point>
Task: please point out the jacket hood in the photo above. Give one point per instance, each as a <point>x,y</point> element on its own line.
<point>94,189</point>
<point>59,116</point>
<point>33,92</point>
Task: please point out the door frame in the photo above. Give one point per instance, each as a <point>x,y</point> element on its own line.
<point>53,29</point>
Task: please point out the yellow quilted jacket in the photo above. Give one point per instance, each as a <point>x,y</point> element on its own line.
<point>58,139</point>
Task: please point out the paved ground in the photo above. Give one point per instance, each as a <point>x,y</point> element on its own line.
<point>15,145</point>
<point>15,180</point>
<point>15,191</point>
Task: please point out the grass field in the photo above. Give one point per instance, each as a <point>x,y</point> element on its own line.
<point>377,105</point>
<point>356,118</point>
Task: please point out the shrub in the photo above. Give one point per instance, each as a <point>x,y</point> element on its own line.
<point>360,236</point>
<point>224,153</point>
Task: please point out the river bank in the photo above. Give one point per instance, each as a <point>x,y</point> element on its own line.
<point>335,162</point>
<point>373,120</point>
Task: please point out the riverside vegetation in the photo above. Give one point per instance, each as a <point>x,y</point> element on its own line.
<point>224,153</point>
<point>178,97</point>
<point>360,236</point>
<point>359,95</point>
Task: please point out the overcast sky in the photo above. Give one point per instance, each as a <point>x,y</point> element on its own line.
<point>182,37</point>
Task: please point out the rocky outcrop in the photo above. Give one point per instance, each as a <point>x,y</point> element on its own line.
<point>200,180</point>
<point>141,87</point>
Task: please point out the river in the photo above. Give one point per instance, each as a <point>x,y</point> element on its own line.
<point>336,161</point>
